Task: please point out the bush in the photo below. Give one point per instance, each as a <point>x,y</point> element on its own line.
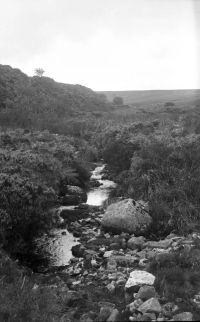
<point>24,208</point>
<point>177,273</point>
<point>118,100</point>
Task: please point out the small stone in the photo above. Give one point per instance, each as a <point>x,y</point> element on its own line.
<point>146,292</point>
<point>134,305</point>
<point>111,287</point>
<point>85,273</point>
<point>148,317</point>
<point>128,297</point>
<point>125,260</point>
<point>112,265</point>
<point>108,253</point>
<point>114,316</point>
<point>94,263</point>
<point>179,300</point>
<point>104,314</point>
<point>85,318</point>
<point>160,244</point>
<point>175,309</point>
<point>150,306</point>
<point>72,298</point>
<point>120,281</point>
<point>115,246</point>
<point>132,318</point>
<point>143,262</point>
<point>136,242</point>
<point>185,316</point>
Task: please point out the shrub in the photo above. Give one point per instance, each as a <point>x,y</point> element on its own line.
<point>24,207</point>
<point>177,273</point>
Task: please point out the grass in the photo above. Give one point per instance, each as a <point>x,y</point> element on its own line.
<point>23,300</point>
<point>177,276</point>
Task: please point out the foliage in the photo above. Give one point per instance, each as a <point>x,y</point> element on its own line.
<point>161,167</point>
<point>39,72</point>
<point>177,273</point>
<point>117,100</point>
<point>33,168</point>
<point>24,299</point>
<point>40,102</point>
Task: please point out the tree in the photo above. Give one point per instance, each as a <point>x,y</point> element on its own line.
<point>39,72</point>
<point>118,100</point>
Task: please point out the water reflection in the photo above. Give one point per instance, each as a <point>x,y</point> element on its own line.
<point>56,249</point>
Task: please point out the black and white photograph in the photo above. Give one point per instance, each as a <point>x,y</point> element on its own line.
<point>99,160</point>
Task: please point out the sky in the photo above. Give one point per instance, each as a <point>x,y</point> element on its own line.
<point>105,44</point>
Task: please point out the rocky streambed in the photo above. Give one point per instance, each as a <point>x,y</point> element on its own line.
<point>109,277</point>
<point>54,250</point>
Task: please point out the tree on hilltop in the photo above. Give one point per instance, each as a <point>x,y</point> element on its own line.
<point>39,72</point>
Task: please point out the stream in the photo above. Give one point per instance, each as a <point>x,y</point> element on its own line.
<point>55,250</point>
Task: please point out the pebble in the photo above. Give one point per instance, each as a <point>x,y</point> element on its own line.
<point>111,287</point>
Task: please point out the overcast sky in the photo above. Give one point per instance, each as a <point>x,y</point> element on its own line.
<point>104,44</point>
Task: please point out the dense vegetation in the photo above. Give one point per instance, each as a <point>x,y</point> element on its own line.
<point>40,102</point>
<point>159,164</point>
<point>152,153</point>
<point>49,135</point>
<point>34,165</point>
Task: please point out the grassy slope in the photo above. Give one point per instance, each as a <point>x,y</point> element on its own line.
<point>139,98</point>
<point>45,94</point>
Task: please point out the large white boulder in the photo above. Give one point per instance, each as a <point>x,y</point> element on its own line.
<point>126,216</point>
<point>139,278</point>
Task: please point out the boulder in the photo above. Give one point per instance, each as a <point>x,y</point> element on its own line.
<point>150,306</point>
<point>139,278</point>
<point>126,216</point>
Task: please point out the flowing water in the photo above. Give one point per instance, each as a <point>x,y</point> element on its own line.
<point>55,250</point>
<point>97,196</point>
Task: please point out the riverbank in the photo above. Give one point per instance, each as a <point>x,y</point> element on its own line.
<point>112,277</point>
<point>99,283</point>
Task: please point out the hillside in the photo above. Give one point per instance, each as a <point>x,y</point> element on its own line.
<point>144,98</point>
<point>25,101</point>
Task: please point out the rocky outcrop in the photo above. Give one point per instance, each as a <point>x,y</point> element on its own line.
<point>126,216</point>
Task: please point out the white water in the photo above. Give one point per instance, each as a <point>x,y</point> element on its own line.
<point>97,196</point>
